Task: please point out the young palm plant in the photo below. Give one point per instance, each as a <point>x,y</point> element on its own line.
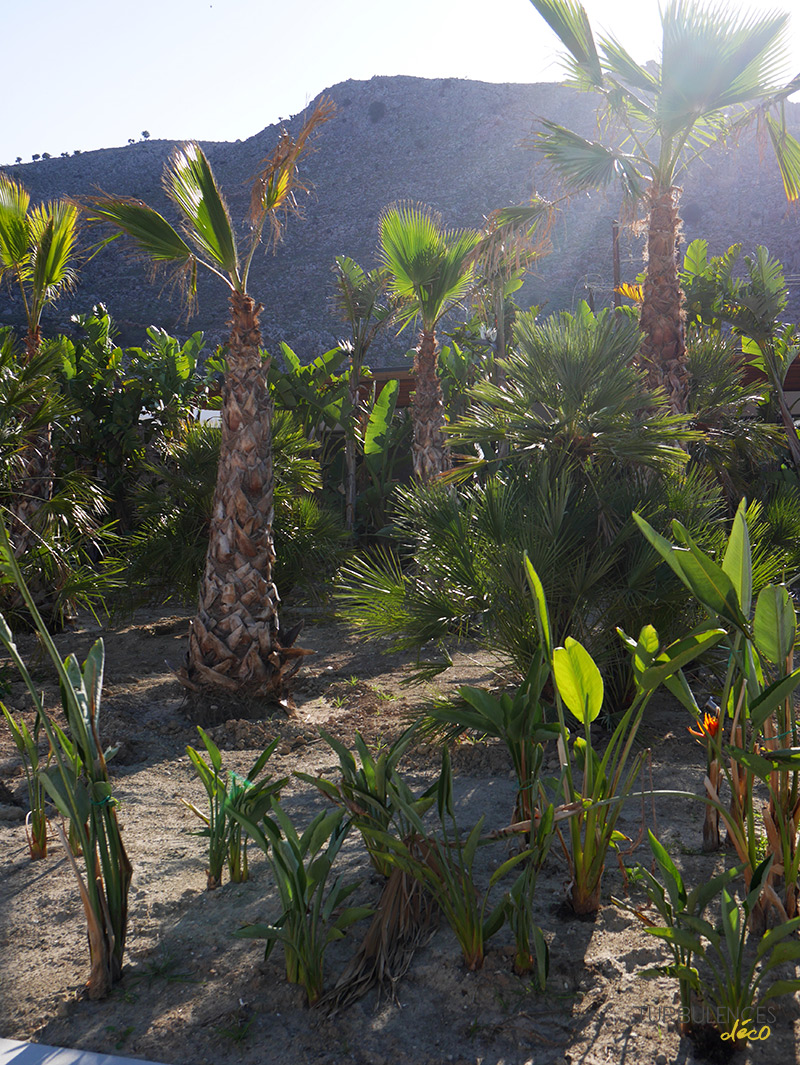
<point>37,256</point>
<point>235,643</point>
<point>430,270</point>
<point>718,72</point>
<point>359,301</point>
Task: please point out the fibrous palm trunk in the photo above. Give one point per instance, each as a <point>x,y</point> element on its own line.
<point>430,453</point>
<point>663,351</point>
<point>235,642</point>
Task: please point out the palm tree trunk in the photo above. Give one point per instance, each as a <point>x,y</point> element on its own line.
<point>429,451</point>
<point>663,351</point>
<point>235,643</point>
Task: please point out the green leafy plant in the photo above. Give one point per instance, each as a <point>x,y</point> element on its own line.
<point>519,722</point>
<point>734,981</point>
<point>597,784</point>
<point>228,794</point>
<point>312,915</point>
<point>673,903</point>
<point>757,710</point>
<point>78,785</point>
<point>125,401</point>
<point>445,867</point>
<point>27,744</point>
<point>364,790</point>
<point>532,954</point>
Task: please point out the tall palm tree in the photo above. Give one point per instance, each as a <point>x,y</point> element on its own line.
<point>430,270</point>
<point>37,256</point>
<point>718,71</point>
<point>235,642</point>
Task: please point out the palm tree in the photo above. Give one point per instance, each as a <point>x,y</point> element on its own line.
<point>430,270</point>
<point>512,239</point>
<point>235,644</point>
<point>37,255</point>
<point>718,72</point>
<point>358,301</point>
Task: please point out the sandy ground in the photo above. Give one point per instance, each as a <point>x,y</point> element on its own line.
<point>194,995</point>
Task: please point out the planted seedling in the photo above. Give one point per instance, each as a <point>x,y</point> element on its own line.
<point>228,792</point>
<point>313,915</point>
<point>27,744</point>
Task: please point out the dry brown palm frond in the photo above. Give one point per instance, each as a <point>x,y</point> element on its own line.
<point>404,920</point>
<point>276,184</point>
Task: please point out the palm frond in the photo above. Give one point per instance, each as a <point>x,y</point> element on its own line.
<point>569,21</point>
<point>571,391</point>
<point>189,183</point>
<point>14,204</point>
<point>53,234</point>
<point>748,57</point>
<point>622,66</point>
<point>157,240</point>
<point>275,186</point>
<point>787,154</point>
<point>589,164</point>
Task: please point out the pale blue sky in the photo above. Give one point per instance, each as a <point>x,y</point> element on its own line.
<point>92,73</point>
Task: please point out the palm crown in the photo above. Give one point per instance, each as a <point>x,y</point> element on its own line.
<point>37,251</point>
<point>207,236</point>
<point>430,268</point>
<point>717,72</point>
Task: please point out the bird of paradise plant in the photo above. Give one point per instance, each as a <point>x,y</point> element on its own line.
<point>756,713</point>
<point>599,783</point>
<point>705,733</point>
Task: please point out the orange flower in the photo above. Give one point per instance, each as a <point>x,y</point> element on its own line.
<point>708,729</point>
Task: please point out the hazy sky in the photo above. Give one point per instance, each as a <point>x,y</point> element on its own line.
<point>92,73</point>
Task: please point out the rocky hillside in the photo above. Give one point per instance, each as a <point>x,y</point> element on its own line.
<point>457,145</point>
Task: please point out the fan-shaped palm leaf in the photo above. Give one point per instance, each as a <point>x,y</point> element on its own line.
<point>429,267</point>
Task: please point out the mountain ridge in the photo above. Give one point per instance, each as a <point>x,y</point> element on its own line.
<point>460,146</point>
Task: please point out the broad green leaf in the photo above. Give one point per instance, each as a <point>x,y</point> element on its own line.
<point>667,550</point>
<point>709,583</point>
<point>213,750</point>
<point>677,655</point>
<point>780,988</point>
<point>679,936</point>
<point>540,605</point>
<point>775,623</point>
<point>579,681</point>
<point>695,261</point>
<point>376,437</point>
<point>674,881</point>
<point>760,766</point>
<point>678,686</point>
<point>772,697</point>
<point>737,561</point>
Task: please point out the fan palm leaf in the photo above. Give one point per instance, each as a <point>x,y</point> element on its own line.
<point>190,184</point>
<point>430,269</point>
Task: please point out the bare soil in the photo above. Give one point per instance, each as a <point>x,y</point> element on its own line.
<point>194,995</point>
